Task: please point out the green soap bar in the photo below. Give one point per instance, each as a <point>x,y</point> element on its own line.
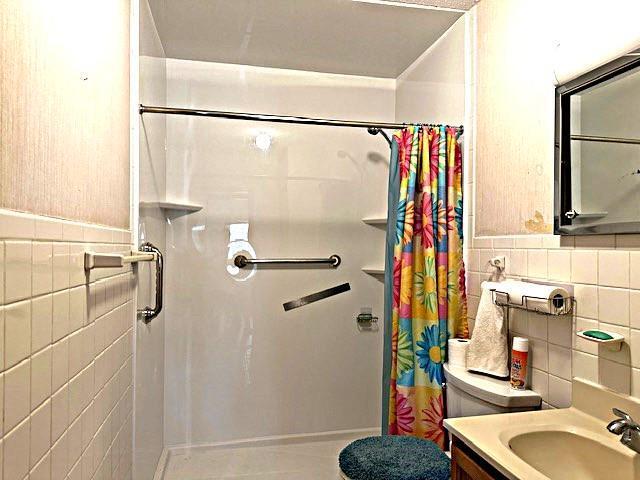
<point>597,334</point>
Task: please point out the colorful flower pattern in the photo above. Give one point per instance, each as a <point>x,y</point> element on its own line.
<point>429,300</point>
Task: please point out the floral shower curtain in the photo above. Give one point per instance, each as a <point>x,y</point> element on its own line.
<point>425,297</point>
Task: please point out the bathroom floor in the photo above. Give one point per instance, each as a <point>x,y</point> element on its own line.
<point>315,460</point>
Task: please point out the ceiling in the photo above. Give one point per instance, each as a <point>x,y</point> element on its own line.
<point>366,37</point>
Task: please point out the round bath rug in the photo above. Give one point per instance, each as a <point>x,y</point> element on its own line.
<point>393,457</point>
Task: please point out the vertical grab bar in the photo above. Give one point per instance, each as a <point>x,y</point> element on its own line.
<point>147,314</point>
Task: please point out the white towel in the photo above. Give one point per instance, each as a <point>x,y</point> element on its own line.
<point>488,350</point>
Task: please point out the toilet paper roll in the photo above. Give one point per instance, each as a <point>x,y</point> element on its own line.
<point>538,295</point>
<point>457,352</point>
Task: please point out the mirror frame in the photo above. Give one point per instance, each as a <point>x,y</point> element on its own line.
<point>562,148</point>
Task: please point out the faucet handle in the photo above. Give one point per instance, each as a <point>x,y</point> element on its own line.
<point>626,417</point>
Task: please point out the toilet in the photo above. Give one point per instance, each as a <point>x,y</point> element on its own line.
<point>468,394</point>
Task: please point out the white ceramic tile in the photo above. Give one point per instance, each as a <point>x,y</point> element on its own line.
<point>586,300</point>
<point>559,392</point>
<point>519,322</point>
<point>60,458</point>
<point>59,412</point>
<point>537,263</point>
<point>42,275</point>
<point>41,323</point>
<point>60,364</point>
<point>585,366</point>
<point>48,229</point>
<point>40,432</point>
<point>614,375</point>
<point>584,266</point>
<point>16,225</point>
<point>539,354</point>
<point>559,265</point>
<point>16,452</point>
<point>60,325</point>
<point>634,270</point>
<point>537,325</point>
<point>517,263</point>
<point>60,266</point>
<point>503,242</point>
<point>76,353</point>
<point>42,471</point>
<point>74,440</point>
<point>77,308</point>
<point>595,241</point>
<point>634,308</point>
<point>529,241</point>
<point>72,232</point>
<point>635,382</point>
<point>40,377</point>
<point>613,305</point>
<point>560,361</point>
<point>17,271</point>
<point>540,383</point>
<point>1,273</point>
<point>482,242</point>
<point>613,268</point>
<point>17,333</point>
<point>560,330</point>
<point>633,340</point>
<point>628,241</point>
<point>77,275</point>
<point>1,337</point>
<point>17,383</point>
<point>624,354</point>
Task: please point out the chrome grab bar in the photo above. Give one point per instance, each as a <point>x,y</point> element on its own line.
<point>148,313</point>
<point>242,261</point>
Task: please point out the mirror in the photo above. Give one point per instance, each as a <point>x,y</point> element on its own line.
<point>597,177</point>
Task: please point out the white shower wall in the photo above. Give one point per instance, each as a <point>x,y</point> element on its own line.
<point>237,365</point>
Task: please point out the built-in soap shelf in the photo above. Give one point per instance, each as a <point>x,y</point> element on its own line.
<point>373,270</point>
<point>611,340</point>
<point>172,206</point>
<point>375,220</point>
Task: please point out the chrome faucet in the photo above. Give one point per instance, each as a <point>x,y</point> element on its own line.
<point>627,427</point>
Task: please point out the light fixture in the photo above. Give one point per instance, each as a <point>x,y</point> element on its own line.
<point>263,141</point>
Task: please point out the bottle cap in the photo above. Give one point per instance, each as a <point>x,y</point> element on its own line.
<point>521,344</point>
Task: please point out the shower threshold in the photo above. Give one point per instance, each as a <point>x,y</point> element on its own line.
<point>297,457</point>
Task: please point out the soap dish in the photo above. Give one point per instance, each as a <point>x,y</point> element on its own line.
<point>609,339</point>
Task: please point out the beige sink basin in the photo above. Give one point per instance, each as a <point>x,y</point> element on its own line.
<point>566,454</point>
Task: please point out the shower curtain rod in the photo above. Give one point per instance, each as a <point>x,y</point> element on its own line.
<point>372,126</point>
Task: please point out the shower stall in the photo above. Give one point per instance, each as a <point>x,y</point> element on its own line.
<point>240,163</point>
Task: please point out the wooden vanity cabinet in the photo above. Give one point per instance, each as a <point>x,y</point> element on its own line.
<point>468,465</point>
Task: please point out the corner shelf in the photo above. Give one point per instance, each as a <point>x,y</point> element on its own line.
<point>375,220</point>
<point>172,206</point>
<point>373,271</point>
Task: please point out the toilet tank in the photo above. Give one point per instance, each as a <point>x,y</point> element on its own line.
<point>469,394</point>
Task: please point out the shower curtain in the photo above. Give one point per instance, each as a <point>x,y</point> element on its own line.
<point>425,295</point>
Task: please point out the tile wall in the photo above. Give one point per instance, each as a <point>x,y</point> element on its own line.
<point>605,272</point>
<point>65,352</point>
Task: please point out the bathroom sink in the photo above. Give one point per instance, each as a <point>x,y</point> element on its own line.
<point>565,454</point>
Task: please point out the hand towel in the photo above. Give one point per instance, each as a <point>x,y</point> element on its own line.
<point>488,350</point>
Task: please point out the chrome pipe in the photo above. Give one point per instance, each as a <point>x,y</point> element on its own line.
<point>593,138</point>
<point>242,261</point>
